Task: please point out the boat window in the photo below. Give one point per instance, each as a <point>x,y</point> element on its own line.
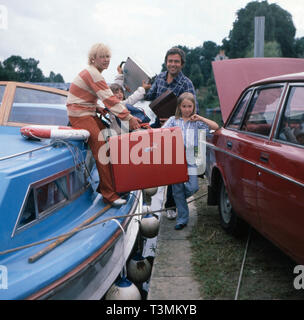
<point>29,212</point>
<point>76,181</point>
<point>45,197</point>
<point>261,112</point>
<point>38,107</point>
<point>291,128</point>
<point>235,121</point>
<point>2,89</point>
<point>49,195</point>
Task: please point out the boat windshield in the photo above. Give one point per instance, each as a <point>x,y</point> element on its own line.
<point>38,107</point>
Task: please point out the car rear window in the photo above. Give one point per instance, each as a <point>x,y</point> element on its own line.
<point>262,109</point>
<point>291,127</point>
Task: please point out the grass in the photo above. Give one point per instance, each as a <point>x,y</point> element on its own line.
<point>217,258</point>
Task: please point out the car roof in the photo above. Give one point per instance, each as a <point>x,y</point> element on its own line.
<point>233,76</point>
<point>291,77</point>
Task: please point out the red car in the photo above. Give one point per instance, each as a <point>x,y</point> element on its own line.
<point>255,162</point>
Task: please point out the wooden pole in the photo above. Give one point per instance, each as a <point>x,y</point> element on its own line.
<point>62,239</point>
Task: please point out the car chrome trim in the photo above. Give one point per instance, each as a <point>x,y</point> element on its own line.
<point>256,165</point>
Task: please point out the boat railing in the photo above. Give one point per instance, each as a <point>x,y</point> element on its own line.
<point>28,151</point>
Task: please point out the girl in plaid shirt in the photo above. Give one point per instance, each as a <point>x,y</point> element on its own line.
<point>190,122</point>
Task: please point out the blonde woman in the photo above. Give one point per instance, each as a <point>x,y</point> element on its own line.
<point>89,86</point>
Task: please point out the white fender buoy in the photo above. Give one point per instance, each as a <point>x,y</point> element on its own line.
<point>123,289</point>
<point>149,226</point>
<point>150,191</point>
<point>139,268</point>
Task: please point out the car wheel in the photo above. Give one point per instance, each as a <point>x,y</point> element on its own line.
<point>230,222</point>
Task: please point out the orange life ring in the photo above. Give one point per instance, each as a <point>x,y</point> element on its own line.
<point>54,132</point>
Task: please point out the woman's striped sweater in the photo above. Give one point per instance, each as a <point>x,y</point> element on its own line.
<point>86,89</point>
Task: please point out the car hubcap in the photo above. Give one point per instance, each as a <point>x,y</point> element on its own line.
<point>225,206</point>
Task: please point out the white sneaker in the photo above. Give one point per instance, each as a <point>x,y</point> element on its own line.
<point>119,202</point>
<point>171,214</point>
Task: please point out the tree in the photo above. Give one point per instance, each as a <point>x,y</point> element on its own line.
<point>54,77</point>
<point>279,27</point>
<point>3,73</point>
<point>196,75</point>
<point>209,51</point>
<point>15,68</point>
<point>271,49</point>
<point>19,69</point>
<point>299,47</point>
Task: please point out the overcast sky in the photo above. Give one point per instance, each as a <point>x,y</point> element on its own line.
<point>59,33</point>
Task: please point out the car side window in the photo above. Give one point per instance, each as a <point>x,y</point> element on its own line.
<point>291,128</point>
<point>38,107</point>
<point>235,120</point>
<point>261,111</point>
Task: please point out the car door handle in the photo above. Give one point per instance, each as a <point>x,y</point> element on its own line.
<point>264,157</point>
<point>229,144</point>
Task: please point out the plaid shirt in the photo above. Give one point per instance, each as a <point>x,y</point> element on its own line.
<point>190,131</point>
<point>179,85</point>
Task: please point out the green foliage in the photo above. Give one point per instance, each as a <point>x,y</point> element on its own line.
<point>15,68</point>
<point>196,75</point>
<point>54,77</point>
<point>279,27</point>
<point>299,47</point>
<point>271,49</point>
<point>279,42</point>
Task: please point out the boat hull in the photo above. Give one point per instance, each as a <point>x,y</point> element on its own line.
<point>93,277</point>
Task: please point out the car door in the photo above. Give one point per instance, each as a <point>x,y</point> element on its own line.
<point>244,142</point>
<point>239,178</point>
<point>280,183</point>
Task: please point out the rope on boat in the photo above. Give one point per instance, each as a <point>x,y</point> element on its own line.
<point>91,225</point>
<point>124,269</point>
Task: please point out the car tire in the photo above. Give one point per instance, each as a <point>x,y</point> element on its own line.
<point>230,222</point>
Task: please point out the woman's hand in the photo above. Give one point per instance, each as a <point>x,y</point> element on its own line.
<point>134,123</point>
<point>102,111</point>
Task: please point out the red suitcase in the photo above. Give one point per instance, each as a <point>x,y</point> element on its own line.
<point>148,158</point>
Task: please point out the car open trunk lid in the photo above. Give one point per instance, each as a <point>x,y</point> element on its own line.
<point>232,76</point>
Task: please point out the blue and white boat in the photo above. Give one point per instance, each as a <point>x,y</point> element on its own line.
<point>47,190</point>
